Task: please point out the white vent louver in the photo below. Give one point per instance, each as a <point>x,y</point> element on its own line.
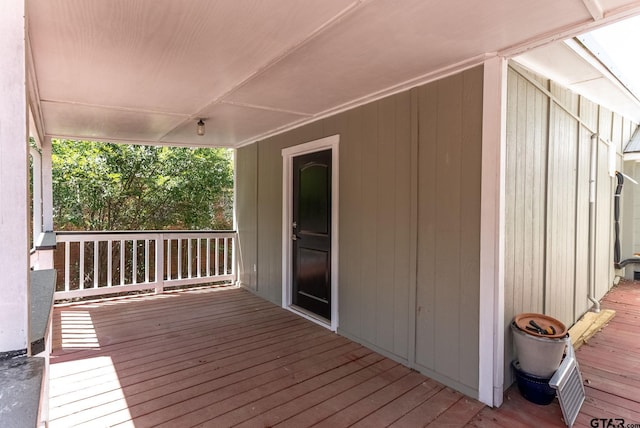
<point>567,382</point>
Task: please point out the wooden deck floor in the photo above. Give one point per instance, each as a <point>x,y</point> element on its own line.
<point>223,357</point>
<point>227,358</point>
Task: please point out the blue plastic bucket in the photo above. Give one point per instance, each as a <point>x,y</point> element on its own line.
<point>534,388</point>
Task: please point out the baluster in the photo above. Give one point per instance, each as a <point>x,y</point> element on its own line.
<point>134,270</point>
<point>67,263</point>
<point>217,261</point>
<point>146,260</point>
<point>81,273</point>
<point>199,243</point>
<point>96,259</point>
<point>109,263</point>
<point>208,257</point>
<point>226,254</point>
<point>179,240</point>
<point>189,259</point>
<point>168,259</point>
<point>122,257</point>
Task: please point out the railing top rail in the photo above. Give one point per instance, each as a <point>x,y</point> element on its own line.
<point>141,232</point>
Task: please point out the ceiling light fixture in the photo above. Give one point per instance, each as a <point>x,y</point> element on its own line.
<point>200,127</point>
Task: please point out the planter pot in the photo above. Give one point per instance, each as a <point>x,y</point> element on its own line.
<point>534,388</point>
<point>538,356</point>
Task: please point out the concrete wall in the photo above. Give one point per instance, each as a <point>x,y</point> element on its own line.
<point>409,220</point>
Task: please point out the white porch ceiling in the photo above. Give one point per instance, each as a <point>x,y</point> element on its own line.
<point>144,71</point>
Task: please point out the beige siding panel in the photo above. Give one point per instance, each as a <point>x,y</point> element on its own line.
<point>448,207</point>
<point>246,213</point>
<point>368,218</point>
<point>561,199</point>
<point>470,199</point>
<point>604,209</point>
<point>427,225</point>
<point>448,236</point>
<point>385,223</point>
<point>525,192</point>
<point>588,111</point>
<point>616,132</point>
<point>402,221</point>
<point>269,221</point>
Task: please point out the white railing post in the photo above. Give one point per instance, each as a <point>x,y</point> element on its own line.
<point>159,278</point>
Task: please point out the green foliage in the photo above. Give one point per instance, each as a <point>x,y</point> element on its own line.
<point>104,186</point>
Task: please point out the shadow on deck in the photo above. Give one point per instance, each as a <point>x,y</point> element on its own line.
<point>224,357</point>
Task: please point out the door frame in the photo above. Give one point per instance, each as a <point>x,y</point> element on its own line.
<point>331,142</point>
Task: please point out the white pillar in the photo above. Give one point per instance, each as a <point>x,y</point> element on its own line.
<point>47,186</point>
<point>491,356</point>
<point>14,185</point>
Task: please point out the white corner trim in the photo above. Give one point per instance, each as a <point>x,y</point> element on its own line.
<point>288,153</point>
<point>491,333</point>
<point>595,9</point>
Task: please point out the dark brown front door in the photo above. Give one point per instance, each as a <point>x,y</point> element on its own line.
<point>311,232</point>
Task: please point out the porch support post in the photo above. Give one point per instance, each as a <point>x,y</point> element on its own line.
<point>14,185</point>
<point>37,194</point>
<point>491,352</point>
<point>47,186</point>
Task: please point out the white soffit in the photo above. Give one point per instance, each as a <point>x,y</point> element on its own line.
<point>145,70</point>
<point>571,65</point>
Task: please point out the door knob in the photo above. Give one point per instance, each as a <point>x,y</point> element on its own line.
<point>294,237</point>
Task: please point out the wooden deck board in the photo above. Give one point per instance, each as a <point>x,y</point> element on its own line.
<point>213,358</point>
<point>224,357</point>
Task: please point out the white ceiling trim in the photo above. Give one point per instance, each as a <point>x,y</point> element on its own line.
<point>118,108</point>
<point>267,108</point>
<point>595,63</point>
<point>571,31</point>
<point>594,8</point>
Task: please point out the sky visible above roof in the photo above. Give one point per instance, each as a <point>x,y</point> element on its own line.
<point>616,46</point>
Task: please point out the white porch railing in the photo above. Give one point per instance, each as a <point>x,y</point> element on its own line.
<point>99,263</point>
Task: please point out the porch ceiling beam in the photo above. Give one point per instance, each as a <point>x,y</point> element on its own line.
<point>595,9</point>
